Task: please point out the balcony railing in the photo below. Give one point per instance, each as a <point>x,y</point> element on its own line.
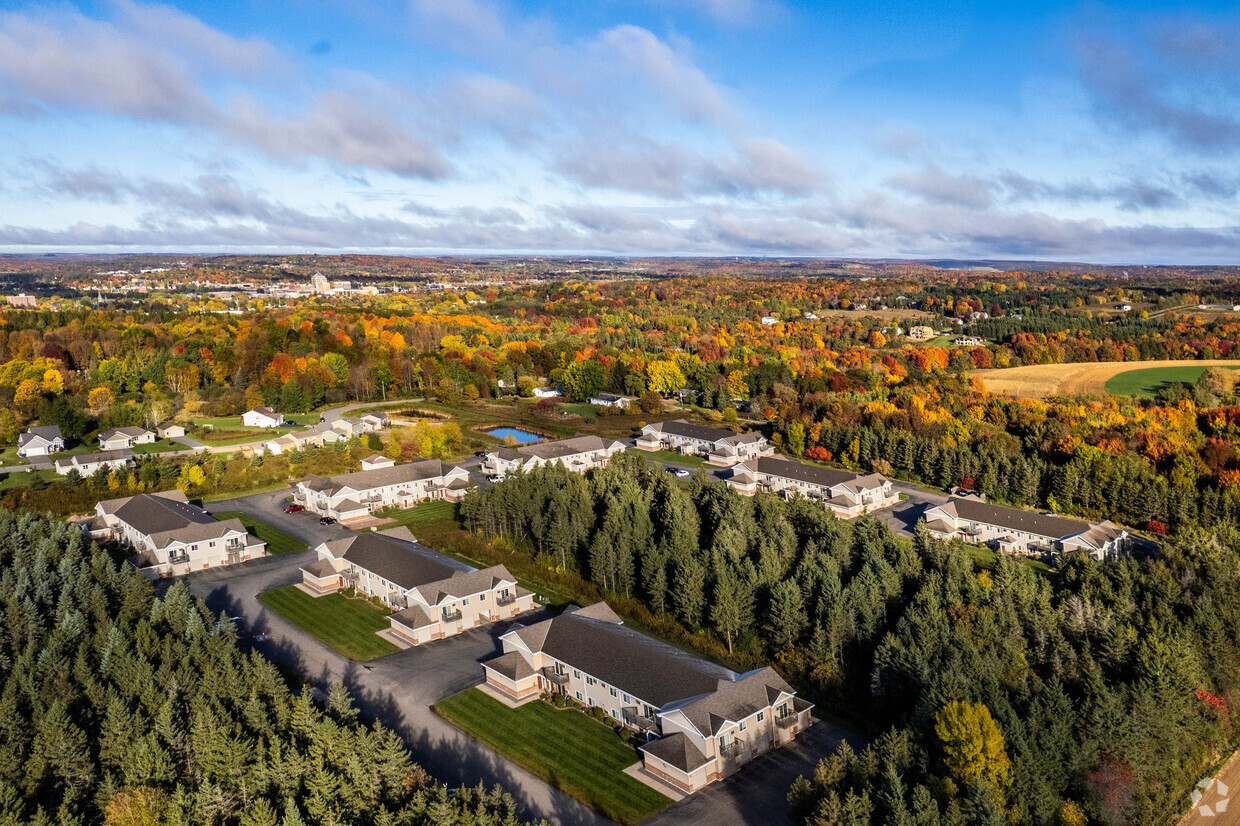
<point>787,721</point>
<point>640,721</point>
<point>505,599</point>
<point>450,616</point>
<point>732,749</point>
<point>178,558</point>
<point>554,676</point>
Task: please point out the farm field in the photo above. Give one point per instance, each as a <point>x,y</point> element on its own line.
<point>1041,380</point>
<point>1149,382</point>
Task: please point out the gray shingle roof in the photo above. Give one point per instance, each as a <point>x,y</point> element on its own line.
<point>380,477</point>
<point>975,510</point>
<point>550,451</point>
<point>46,432</point>
<point>403,563</point>
<point>814,475</point>
<point>677,750</point>
<point>465,583</point>
<point>734,700</point>
<point>679,427</point>
<point>414,616</point>
<point>132,432</point>
<point>511,665</point>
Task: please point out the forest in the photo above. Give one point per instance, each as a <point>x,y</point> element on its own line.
<point>124,709</point>
<point>1092,693</point>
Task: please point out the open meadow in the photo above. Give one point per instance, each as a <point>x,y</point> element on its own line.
<point>1089,379</point>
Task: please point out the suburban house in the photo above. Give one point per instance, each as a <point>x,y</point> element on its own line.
<point>612,400</point>
<point>377,462</point>
<point>1011,530</point>
<point>548,392</point>
<point>40,441</point>
<point>846,494</point>
<point>168,430</point>
<point>171,536</point>
<point>262,417</point>
<point>284,444</point>
<point>701,720</point>
<point>578,454</point>
<point>720,447</point>
<point>968,341</point>
<point>352,496</point>
<point>374,422</point>
<point>91,462</point>
<point>921,332</point>
<point>433,596</point>
<point>347,426</point>
<point>122,437</point>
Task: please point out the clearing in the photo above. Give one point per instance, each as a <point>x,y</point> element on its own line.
<point>278,542</point>
<point>1037,381</point>
<point>572,752</point>
<point>1150,381</point>
<point>345,625</point>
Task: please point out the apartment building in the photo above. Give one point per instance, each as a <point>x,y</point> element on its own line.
<point>702,721</point>
<point>433,596</point>
<point>172,537</point>
<point>846,494</point>
<point>719,447</point>
<point>352,496</point>
<point>125,437</point>
<point>40,441</point>
<point>578,454</point>
<point>1015,531</point>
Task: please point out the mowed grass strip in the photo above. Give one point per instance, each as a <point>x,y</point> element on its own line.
<point>420,515</point>
<point>346,626</point>
<point>571,752</point>
<point>278,542</point>
<point>1148,382</point>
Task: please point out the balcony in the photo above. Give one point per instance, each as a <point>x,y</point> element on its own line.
<point>505,599</point>
<point>733,749</point>
<point>640,721</point>
<point>556,677</point>
<point>787,720</point>
<point>450,616</point>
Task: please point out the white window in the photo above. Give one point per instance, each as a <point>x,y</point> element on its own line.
<point>578,695</point>
<point>742,725</point>
<point>465,601</point>
<point>482,597</point>
<point>626,698</point>
<point>576,674</point>
<point>613,692</point>
<point>591,702</point>
<point>761,716</point>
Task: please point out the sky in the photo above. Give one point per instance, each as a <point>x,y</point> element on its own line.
<point>1091,132</point>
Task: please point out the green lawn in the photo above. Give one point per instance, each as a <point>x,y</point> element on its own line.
<point>421,515</point>
<point>673,458</point>
<point>1148,381</point>
<point>347,626</point>
<point>23,478</point>
<point>988,558</point>
<point>9,457</point>
<point>234,422</point>
<point>160,446</point>
<point>228,430</point>
<point>575,754</point>
<point>278,542</point>
<point>233,494</point>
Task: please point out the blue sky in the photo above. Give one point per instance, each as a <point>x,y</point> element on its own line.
<point>1071,131</point>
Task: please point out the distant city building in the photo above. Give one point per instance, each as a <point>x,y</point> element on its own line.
<point>24,301</point>
<point>319,283</point>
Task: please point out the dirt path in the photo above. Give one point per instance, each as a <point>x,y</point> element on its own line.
<point>1040,380</point>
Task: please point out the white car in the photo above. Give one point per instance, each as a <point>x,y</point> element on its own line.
<point>681,473</point>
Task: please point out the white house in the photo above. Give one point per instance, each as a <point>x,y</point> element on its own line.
<point>262,417</point>
<point>720,447</point>
<point>968,341</point>
<point>91,462</point>
<point>578,454</point>
<point>353,496</point>
<point>1015,531</point>
<point>433,596</point>
<point>548,392</point>
<point>123,437</point>
<point>769,321</point>
<point>702,721</point>
<point>612,400</point>
<point>169,430</point>
<point>377,462</point>
<point>171,536</point>
<point>40,441</point>
<point>846,494</point>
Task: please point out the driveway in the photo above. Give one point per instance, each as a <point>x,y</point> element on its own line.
<point>269,507</point>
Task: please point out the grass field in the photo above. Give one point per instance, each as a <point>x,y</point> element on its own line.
<point>278,542</point>
<point>671,457</point>
<point>160,446</point>
<point>346,626</point>
<point>21,479</point>
<point>988,558</point>
<point>228,430</point>
<point>419,516</point>
<point>9,457</point>
<point>1084,379</point>
<point>571,752</point>
<point>1149,381</point>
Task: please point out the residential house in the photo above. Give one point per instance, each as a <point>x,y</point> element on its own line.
<point>91,462</point>
<point>284,444</point>
<point>769,321</point>
<point>578,454</point>
<point>720,447</point>
<point>123,437</point>
<point>612,400</point>
<point>262,417</point>
<point>968,341</point>
<point>40,441</point>
<point>374,422</point>
<point>811,316</point>
<point>353,496</point>
<point>1011,530</point>
<point>921,333</point>
<point>168,430</point>
<point>347,426</point>
<point>377,462</point>
<point>701,720</point>
<point>846,494</point>
<point>172,537</point>
<point>548,392</point>
<point>433,596</point>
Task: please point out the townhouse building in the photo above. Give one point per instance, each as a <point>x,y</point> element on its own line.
<point>846,494</point>
<point>89,463</point>
<point>1029,533</point>
<point>40,441</point>
<point>125,437</point>
<point>262,417</point>
<point>578,454</point>
<point>352,496</point>
<point>612,400</point>
<point>170,536</point>
<point>720,447</point>
<point>701,721</point>
<point>432,596</point>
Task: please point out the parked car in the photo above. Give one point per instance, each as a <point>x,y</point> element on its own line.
<point>327,520</point>
<point>681,473</point>
<point>294,509</point>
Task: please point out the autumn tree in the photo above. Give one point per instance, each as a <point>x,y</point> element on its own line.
<point>973,747</point>
<point>584,379</point>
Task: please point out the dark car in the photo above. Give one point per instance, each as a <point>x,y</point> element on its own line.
<point>327,520</point>
<point>480,453</point>
<point>294,509</point>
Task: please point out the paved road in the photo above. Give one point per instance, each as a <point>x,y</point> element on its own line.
<point>1219,804</point>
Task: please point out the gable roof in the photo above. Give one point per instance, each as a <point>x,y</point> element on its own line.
<point>646,668</point>
<point>733,700</point>
<point>132,432</point>
<point>813,474</point>
<point>47,433</point>
<point>465,583</point>
<point>678,750</point>
<point>550,451</point>
<point>400,561</point>
<point>380,477</point>
<point>680,427</point>
<point>265,411</point>
<point>102,456</point>
<point>1042,524</point>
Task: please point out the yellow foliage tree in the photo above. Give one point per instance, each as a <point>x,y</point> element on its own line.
<point>973,746</point>
<point>28,392</point>
<point>664,377</point>
<point>53,382</point>
<point>138,806</point>
<point>99,399</point>
<point>737,386</point>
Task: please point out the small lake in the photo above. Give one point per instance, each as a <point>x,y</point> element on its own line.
<point>523,437</point>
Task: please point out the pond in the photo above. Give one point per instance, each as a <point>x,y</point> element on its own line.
<point>523,437</point>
